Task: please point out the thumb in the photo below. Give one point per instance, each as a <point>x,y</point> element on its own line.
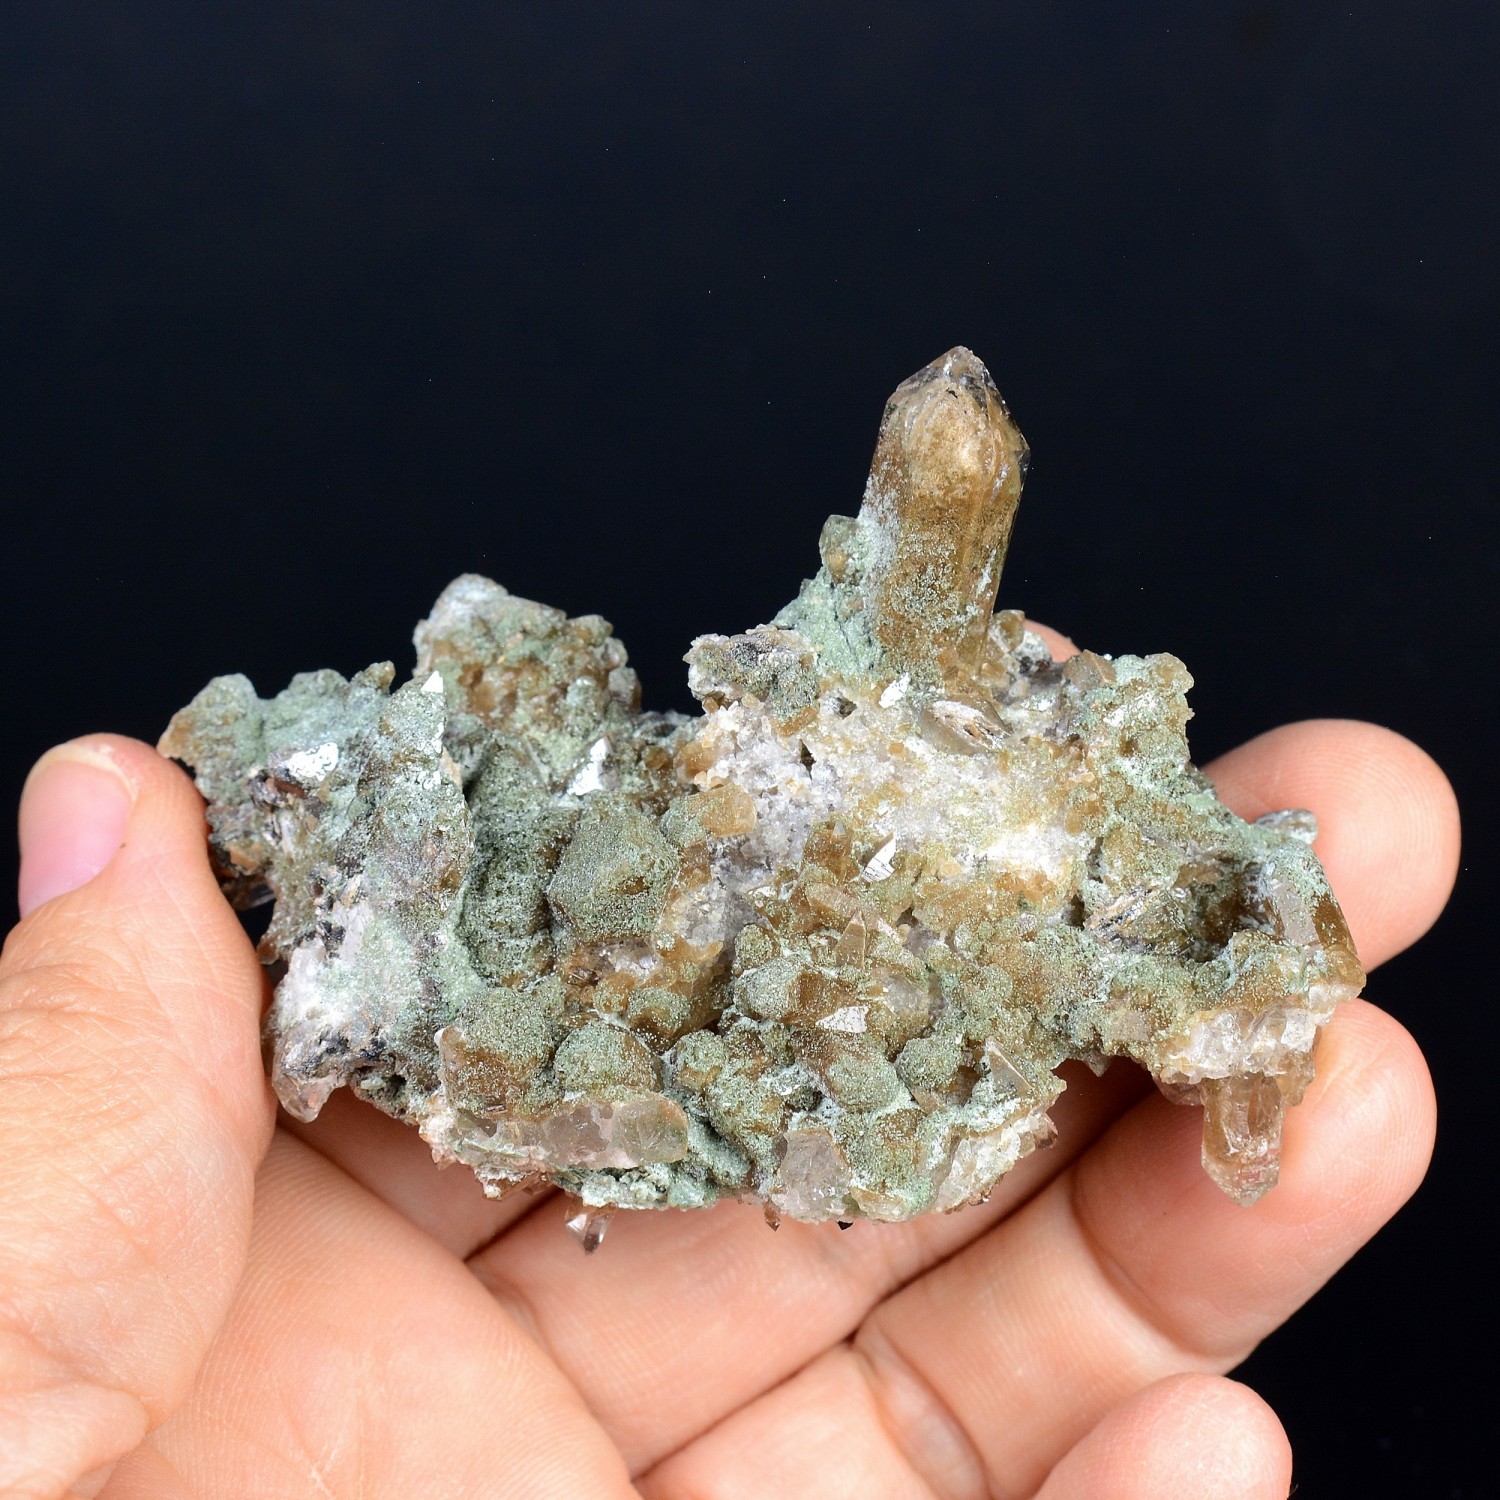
<point>133,1112</point>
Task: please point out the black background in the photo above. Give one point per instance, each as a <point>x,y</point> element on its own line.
<point>307,308</point>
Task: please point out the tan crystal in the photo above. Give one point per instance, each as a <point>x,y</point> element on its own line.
<point>942,496</point>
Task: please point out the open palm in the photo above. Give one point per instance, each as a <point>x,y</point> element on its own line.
<point>217,1309</point>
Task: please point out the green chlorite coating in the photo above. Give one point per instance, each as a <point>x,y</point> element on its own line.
<point>822,947</point>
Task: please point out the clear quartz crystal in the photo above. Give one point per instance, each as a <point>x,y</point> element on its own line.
<point>823,947</point>
<point>1242,1118</point>
<point>588,1226</point>
<point>814,1179</point>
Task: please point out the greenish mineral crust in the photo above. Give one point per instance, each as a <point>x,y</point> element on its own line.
<point>822,947</point>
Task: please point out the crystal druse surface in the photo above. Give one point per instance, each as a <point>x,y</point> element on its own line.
<point>823,946</point>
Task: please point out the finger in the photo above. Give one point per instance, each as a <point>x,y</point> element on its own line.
<point>805,1290</point>
<point>823,1433</point>
<point>392,1161</point>
<point>1384,809</point>
<point>1132,1267</point>
<point>70,823</point>
<point>1190,1435</point>
<point>360,1358</point>
<point>1061,646</point>
<point>829,1431</point>
<point>133,1109</point>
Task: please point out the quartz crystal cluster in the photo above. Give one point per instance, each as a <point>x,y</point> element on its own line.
<point>822,947</point>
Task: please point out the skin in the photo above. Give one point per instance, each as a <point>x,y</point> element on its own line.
<point>195,1301</point>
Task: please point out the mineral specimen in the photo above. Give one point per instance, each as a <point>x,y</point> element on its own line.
<point>822,947</point>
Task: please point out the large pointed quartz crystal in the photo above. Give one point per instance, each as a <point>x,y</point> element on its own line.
<point>824,946</point>
<point>942,497</point>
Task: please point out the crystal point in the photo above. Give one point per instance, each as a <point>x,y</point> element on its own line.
<point>822,947</point>
<point>588,1226</point>
<point>1242,1118</point>
<point>940,503</point>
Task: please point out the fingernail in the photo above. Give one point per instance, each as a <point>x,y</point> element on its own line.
<point>73,815</point>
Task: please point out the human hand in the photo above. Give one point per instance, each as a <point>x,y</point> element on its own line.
<point>217,1311</point>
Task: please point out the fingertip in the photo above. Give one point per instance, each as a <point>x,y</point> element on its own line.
<point>1187,1434</point>
<point>1389,832</point>
<point>1222,1429</point>
<point>113,832</point>
<point>71,822</point>
<point>1418,840</point>
<point>99,803</point>
<point>162,790</point>
<point>1061,646</point>
<point>1359,1145</point>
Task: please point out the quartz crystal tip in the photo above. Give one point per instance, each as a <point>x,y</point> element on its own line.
<point>588,1226</point>
<point>942,496</point>
<point>1242,1118</point>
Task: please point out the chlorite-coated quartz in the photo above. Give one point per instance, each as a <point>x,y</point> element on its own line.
<point>822,947</point>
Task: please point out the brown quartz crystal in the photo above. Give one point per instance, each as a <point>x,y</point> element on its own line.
<point>823,946</point>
